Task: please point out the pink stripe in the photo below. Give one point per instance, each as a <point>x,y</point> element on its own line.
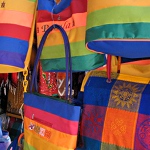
<point>51,120</point>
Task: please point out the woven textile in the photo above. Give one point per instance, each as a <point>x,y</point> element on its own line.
<point>116,115</point>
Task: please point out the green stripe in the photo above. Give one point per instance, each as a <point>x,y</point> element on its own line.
<point>32,0</point>
<point>27,146</point>
<point>82,63</point>
<point>119,14</point>
<point>121,31</point>
<point>58,51</point>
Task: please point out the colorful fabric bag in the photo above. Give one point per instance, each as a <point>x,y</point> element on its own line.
<point>49,122</point>
<point>119,28</point>
<point>16,34</point>
<point>116,115</point>
<point>71,15</point>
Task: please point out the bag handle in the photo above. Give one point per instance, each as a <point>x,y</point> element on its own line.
<point>67,55</point>
<point>108,67</point>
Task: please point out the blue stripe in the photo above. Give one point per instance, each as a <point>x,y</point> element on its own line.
<point>145,101</point>
<point>97,91</point>
<point>13,45</point>
<point>129,49</point>
<point>49,5</point>
<point>49,104</point>
<point>12,59</point>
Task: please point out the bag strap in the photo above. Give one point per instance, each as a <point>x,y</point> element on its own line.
<point>67,55</point>
<point>108,66</point>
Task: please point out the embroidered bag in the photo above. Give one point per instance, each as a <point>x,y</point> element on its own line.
<point>16,34</point>
<point>71,15</point>
<point>119,28</point>
<point>47,82</point>
<point>116,114</point>
<point>49,122</point>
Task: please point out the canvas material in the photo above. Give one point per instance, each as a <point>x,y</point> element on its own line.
<point>116,27</point>
<point>73,20</point>
<point>49,123</point>
<point>16,34</point>
<point>116,114</point>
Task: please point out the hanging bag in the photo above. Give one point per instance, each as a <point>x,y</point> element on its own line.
<point>115,111</point>
<point>16,34</point>
<point>119,28</point>
<point>49,122</point>
<point>71,15</point>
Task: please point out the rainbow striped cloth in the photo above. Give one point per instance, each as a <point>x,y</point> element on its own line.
<point>71,15</point>
<point>116,115</point>
<point>49,124</point>
<point>119,27</point>
<point>16,34</point>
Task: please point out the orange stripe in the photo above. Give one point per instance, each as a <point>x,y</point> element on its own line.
<point>49,134</point>
<point>94,5</point>
<point>55,38</point>
<point>77,20</point>
<point>14,17</point>
<point>20,6</point>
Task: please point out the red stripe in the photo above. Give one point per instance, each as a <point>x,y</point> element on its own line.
<point>75,7</point>
<point>51,120</point>
<point>15,31</point>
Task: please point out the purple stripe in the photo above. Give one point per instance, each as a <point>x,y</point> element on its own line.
<point>12,59</point>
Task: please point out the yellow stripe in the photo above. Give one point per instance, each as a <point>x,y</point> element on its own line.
<point>133,78</point>
<point>18,18</point>
<point>20,5</point>
<point>39,143</point>
<point>9,69</point>
<point>94,5</point>
<point>53,136</point>
<point>55,37</point>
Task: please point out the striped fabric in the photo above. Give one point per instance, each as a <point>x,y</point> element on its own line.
<point>16,34</point>
<point>71,15</point>
<point>49,124</point>
<point>116,115</point>
<point>119,28</point>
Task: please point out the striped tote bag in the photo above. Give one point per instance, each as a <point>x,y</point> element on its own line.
<point>119,28</point>
<point>71,15</point>
<point>50,123</point>
<point>16,34</point>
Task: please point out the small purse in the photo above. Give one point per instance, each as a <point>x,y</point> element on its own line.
<point>47,82</point>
